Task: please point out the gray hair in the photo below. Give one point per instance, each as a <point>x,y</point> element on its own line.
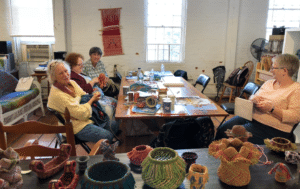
<point>51,68</point>
<point>288,61</point>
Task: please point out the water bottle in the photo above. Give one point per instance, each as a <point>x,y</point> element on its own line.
<point>140,75</point>
<point>162,69</point>
<point>151,75</point>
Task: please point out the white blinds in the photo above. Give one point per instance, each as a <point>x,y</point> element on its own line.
<point>32,18</point>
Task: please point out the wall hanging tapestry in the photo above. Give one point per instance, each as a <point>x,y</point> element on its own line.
<point>111,35</point>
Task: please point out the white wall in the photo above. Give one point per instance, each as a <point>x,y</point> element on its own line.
<point>217,31</point>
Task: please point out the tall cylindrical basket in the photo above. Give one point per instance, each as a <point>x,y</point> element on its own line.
<point>163,168</point>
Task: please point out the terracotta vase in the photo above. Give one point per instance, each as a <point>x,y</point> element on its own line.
<point>198,176</point>
<point>236,157</point>
<point>138,154</point>
<point>163,168</point>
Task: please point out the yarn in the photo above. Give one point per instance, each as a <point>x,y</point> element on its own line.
<point>163,168</point>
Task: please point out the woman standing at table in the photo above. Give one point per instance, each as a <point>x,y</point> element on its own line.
<point>66,93</point>
<point>75,61</point>
<point>277,104</point>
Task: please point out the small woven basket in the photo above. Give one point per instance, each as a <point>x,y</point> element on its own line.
<point>138,154</point>
<point>108,174</point>
<point>163,168</point>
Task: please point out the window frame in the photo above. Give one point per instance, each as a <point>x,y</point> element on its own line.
<point>182,39</point>
<point>269,29</point>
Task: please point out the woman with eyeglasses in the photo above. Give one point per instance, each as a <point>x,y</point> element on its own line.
<point>276,104</point>
<point>75,61</point>
<point>66,93</point>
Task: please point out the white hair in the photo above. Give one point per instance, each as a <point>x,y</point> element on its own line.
<point>51,68</point>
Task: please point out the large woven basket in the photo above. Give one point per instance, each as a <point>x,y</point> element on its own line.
<point>163,168</point>
<point>108,174</point>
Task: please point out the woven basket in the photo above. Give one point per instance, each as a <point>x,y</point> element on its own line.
<point>108,174</point>
<point>163,168</point>
<point>236,157</point>
<point>198,176</point>
<point>10,172</point>
<point>138,154</point>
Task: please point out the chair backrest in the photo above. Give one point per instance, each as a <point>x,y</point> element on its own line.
<point>181,73</point>
<point>35,127</point>
<point>250,89</point>
<point>250,66</point>
<point>292,132</point>
<point>202,80</point>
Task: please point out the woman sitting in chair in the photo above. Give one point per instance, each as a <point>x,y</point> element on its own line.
<point>277,104</point>
<point>75,61</point>
<point>66,93</point>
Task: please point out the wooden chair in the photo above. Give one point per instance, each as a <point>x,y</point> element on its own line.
<point>35,127</point>
<point>202,80</point>
<point>237,90</point>
<point>60,139</point>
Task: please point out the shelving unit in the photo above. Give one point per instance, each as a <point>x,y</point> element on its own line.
<point>261,75</point>
<point>292,43</point>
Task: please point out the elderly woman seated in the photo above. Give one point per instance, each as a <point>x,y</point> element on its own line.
<point>75,61</point>
<point>66,93</point>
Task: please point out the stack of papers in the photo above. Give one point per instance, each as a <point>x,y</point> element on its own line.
<point>173,82</point>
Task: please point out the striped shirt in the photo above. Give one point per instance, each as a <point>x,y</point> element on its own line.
<point>91,71</point>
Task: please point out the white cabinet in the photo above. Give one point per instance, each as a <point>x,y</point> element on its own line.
<point>292,43</point>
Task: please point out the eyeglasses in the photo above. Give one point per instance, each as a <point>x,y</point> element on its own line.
<point>274,68</point>
<point>79,65</point>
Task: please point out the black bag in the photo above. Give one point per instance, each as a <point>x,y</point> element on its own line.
<point>185,134</point>
<point>238,76</point>
<point>111,89</point>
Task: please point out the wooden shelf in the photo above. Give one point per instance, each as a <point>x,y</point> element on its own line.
<point>262,75</point>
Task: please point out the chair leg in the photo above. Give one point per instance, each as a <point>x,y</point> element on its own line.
<point>85,147</point>
<point>224,88</point>
<point>231,91</point>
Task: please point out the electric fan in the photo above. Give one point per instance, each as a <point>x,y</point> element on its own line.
<point>258,47</point>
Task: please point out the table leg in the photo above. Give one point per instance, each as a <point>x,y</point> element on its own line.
<point>223,120</point>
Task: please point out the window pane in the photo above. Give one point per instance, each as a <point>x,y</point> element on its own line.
<point>164,30</point>
<point>175,53</point>
<point>163,52</point>
<point>151,52</point>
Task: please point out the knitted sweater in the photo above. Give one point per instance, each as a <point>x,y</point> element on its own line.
<point>286,99</point>
<point>80,113</point>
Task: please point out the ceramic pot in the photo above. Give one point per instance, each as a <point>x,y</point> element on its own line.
<point>82,162</point>
<point>163,168</point>
<point>236,157</point>
<point>198,176</point>
<point>138,154</point>
<point>108,174</point>
<point>189,158</point>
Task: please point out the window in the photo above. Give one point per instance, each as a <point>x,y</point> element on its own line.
<point>32,23</point>
<point>165,27</point>
<point>283,13</point>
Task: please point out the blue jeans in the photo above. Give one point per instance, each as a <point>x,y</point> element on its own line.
<point>258,130</point>
<point>94,133</point>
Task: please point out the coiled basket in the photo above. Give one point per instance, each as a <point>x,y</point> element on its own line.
<point>108,174</point>
<point>163,168</point>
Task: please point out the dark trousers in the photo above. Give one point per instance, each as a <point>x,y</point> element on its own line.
<point>258,130</point>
